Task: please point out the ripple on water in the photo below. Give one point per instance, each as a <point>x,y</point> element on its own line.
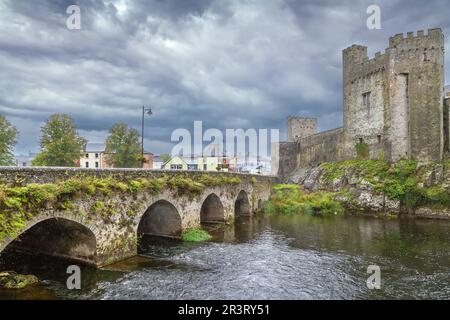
<point>263,268</point>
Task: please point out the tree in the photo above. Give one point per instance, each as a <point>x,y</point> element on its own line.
<point>164,157</point>
<point>61,146</point>
<point>123,147</point>
<point>8,138</point>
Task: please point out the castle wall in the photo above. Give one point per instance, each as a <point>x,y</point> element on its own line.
<point>300,127</point>
<point>393,103</point>
<point>397,144</point>
<point>307,152</point>
<point>405,118</point>
<point>365,122</point>
<point>421,58</point>
<point>447,125</point>
<point>325,146</point>
<point>284,158</point>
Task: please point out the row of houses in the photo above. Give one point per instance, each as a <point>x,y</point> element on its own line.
<point>94,156</point>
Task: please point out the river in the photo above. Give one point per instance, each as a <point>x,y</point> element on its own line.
<point>267,257</point>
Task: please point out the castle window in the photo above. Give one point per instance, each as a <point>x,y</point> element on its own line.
<point>361,140</point>
<point>425,55</point>
<point>366,100</point>
<point>379,138</point>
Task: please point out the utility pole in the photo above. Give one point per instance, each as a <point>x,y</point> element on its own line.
<point>149,112</point>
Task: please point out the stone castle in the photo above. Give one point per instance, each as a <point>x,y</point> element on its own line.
<point>395,107</point>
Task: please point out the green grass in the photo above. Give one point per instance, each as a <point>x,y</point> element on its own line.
<point>290,199</point>
<point>403,181</point>
<point>400,181</point>
<point>362,150</point>
<point>371,170</point>
<point>196,235</point>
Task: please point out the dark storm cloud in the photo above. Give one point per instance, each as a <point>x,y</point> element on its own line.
<point>232,64</point>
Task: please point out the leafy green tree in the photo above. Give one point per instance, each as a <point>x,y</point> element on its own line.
<point>164,157</point>
<point>8,138</point>
<point>123,147</point>
<point>61,146</point>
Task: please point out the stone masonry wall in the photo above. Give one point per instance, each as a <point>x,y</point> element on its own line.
<point>309,151</point>
<point>322,147</point>
<point>300,127</point>
<point>114,224</point>
<point>406,97</point>
<point>403,116</point>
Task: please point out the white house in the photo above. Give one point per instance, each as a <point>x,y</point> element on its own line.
<point>93,156</point>
<point>157,163</point>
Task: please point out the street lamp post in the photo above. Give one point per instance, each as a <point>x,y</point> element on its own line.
<point>149,112</point>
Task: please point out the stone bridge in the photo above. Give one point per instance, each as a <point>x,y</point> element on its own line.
<point>98,216</point>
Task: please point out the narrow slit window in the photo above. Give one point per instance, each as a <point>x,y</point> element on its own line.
<point>366,100</point>
<point>425,55</point>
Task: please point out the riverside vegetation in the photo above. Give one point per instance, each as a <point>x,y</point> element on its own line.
<point>364,186</point>
<point>18,204</point>
<point>196,235</point>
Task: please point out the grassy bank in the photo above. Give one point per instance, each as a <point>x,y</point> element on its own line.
<point>291,199</point>
<point>413,185</point>
<point>405,182</point>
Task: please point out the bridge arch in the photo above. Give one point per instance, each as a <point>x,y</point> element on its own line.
<point>242,205</point>
<point>212,210</point>
<point>58,237</point>
<point>161,219</point>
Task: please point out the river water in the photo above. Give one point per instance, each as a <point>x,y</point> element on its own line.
<point>268,257</point>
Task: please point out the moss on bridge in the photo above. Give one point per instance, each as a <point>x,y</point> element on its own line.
<point>18,204</point>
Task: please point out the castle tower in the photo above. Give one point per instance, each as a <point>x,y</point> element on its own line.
<point>394,101</point>
<point>300,127</point>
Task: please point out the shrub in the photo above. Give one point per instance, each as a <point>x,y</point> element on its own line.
<point>362,150</point>
<point>196,235</point>
<point>136,186</point>
<point>290,199</point>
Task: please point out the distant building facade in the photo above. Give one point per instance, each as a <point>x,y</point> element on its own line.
<point>24,160</point>
<point>200,164</point>
<point>157,162</point>
<point>94,156</point>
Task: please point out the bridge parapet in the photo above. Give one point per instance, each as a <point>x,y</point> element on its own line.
<point>24,175</point>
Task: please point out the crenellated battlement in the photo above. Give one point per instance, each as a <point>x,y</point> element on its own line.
<point>434,38</point>
<point>394,108</point>
<point>412,48</point>
<point>396,96</point>
<point>357,64</point>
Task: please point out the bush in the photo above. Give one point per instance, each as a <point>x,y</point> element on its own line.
<point>362,150</point>
<point>196,235</point>
<point>290,199</point>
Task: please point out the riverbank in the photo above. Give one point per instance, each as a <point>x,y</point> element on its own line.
<point>374,186</point>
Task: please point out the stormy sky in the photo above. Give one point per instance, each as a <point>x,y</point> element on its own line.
<point>230,63</point>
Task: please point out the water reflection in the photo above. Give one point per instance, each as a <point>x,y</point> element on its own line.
<point>275,257</point>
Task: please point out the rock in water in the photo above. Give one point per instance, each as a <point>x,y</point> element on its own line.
<point>13,280</point>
